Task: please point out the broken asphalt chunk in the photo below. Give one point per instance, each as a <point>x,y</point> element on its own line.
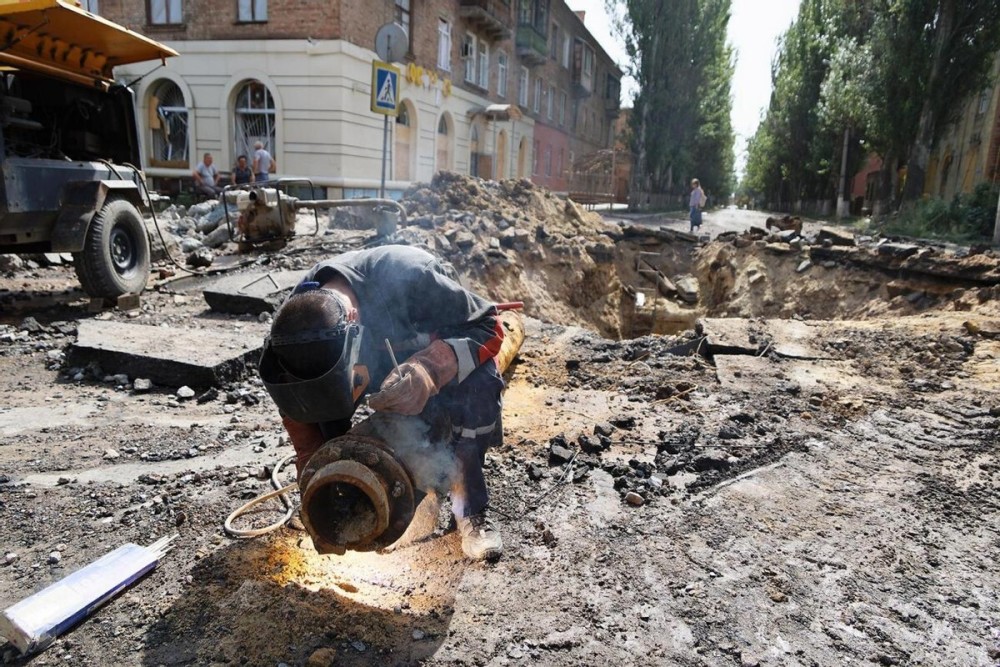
<point>165,356</point>
<point>251,293</point>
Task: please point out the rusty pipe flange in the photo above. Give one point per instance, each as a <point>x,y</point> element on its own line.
<point>355,495</point>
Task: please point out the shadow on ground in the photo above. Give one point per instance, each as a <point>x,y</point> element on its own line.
<point>275,600</point>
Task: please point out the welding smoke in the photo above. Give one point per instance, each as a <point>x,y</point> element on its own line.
<point>431,461</point>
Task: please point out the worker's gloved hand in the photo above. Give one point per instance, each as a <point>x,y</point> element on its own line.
<point>420,377</point>
<point>306,439</point>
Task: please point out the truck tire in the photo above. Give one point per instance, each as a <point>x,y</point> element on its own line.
<point>115,259</point>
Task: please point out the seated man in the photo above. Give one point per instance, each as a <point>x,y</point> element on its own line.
<point>242,173</point>
<point>206,177</point>
<point>327,344</point>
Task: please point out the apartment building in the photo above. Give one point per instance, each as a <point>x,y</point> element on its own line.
<point>296,75</point>
<point>968,151</point>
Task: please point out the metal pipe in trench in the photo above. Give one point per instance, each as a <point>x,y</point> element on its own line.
<point>356,493</point>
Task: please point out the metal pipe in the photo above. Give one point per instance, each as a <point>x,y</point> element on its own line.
<point>356,493</point>
<point>372,203</point>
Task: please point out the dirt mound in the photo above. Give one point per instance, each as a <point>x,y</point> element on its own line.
<point>514,241</point>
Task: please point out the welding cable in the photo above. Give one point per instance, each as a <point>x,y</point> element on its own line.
<point>159,232</point>
<point>279,492</point>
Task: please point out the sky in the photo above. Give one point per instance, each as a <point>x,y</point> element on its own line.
<point>753,33</point>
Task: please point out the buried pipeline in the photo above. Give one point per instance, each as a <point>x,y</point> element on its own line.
<point>360,490</point>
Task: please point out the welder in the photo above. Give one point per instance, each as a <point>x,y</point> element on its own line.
<point>326,352</point>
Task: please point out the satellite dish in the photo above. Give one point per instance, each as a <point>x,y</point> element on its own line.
<point>391,43</point>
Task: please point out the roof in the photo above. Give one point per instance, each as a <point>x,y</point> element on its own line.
<point>57,37</point>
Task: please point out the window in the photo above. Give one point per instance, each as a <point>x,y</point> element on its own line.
<point>534,13</point>
<point>444,45</point>
<point>522,88</point>
<point>588,61</point>
<point>565,51</point>
<point>536,156</point>
<point>554,42</point>
<point>484,65</point>
<point>550,102</point>
<point>165,12</point>
<point>537,105</point>
<point>402,17</point>
<point>502,74</point>
<point>254,114</point>
<point>559,162</point>
<point>469,54</point>
<point>251,11</point>
<point>548,160</point>
<point>168,123</point>
<point>89,5</point>
<point>562,107</point>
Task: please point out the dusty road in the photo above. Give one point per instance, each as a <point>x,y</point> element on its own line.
<point>817,492</point>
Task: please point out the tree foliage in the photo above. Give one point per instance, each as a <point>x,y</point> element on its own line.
<point>894,72</point>
<point>681,126</point>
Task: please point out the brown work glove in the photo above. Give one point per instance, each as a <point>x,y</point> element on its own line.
<point>423,376</point>
<point>306,439</point>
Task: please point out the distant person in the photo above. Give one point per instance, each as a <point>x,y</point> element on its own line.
<point>263,162</point>
<point>696,203</point>
<point>242,173</point>
<point>206,177</point>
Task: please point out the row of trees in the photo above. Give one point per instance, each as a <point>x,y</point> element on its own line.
<point>854,77</point>
<point>680,125</point>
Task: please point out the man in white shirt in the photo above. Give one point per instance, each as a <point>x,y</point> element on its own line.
<point>206,177</point>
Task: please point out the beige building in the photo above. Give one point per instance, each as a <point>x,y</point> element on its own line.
<point>968,152</point>
<point>296,75</point>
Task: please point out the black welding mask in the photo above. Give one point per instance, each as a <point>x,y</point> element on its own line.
<point>330,396</point>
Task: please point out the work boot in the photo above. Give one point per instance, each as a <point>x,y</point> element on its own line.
<point>480,538</point>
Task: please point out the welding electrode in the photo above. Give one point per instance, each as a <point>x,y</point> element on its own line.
<point>393,357</point>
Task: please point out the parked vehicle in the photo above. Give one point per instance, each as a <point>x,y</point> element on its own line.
<point>69,143</point>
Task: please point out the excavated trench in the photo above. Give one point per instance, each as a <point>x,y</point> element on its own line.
<point>666,288</point>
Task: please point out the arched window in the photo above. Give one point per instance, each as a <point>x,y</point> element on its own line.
<point>168,123</point>
<point>443,143</point>
<point>403,146</point>
<point>254,114</point>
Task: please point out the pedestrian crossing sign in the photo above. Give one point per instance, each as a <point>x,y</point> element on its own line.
<point>385,88</point>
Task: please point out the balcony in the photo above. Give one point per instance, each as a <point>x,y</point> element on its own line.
<point>489,17</point>
<point>532,45</point>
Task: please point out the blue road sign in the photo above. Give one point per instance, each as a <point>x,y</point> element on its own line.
<point>385,88</point>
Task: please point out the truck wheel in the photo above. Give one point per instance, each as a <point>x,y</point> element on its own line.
<point>115,258</point>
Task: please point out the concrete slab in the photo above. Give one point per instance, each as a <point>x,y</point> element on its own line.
<point>788,338</point>
<point>253,293</point>
<point>169,357</point>
<point>732,335</point>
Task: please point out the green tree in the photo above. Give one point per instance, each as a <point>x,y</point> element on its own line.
<point>681,125</point>
<point>792,154</point>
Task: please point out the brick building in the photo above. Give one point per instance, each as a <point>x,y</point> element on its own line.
<point>296,74</point>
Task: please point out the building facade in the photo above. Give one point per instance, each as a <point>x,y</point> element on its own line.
<point>968,150</point>
<point>475,91</point>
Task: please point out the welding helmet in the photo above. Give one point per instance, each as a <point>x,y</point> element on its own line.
<point>328,396</point>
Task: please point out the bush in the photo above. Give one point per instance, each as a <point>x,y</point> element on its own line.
<point>969,217</point>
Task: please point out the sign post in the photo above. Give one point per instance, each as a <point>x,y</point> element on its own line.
<point>385,100</point>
